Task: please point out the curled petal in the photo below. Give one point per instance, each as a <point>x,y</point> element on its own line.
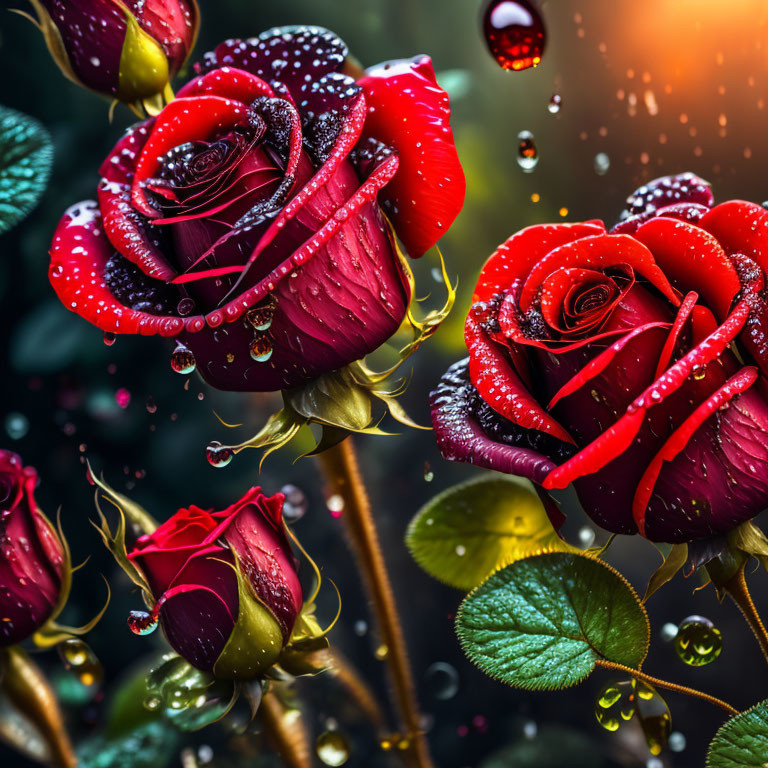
<point>409,111</point>
<point>227,83</point>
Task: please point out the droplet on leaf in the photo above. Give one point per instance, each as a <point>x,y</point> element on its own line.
<point>698,641</point>
<point>514,33</point>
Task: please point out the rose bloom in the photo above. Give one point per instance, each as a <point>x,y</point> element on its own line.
<point>224,583</point>
<point>630,363</point>
<point>31,555</point>
<point>125,49</point>
<point>247,220</point>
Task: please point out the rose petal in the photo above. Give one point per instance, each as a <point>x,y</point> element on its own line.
<point>684,312</point>
<point>227,83</point>
<point>409,111</point>
<point>669,190</point>
<point>740,227</point>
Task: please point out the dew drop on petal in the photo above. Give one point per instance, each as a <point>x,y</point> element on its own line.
<point>515,33</point>
<point>527,153</point>
<point>698,641</point>
<point>260,348</point>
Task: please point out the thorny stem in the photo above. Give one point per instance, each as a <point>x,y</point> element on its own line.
<point>287,735</point>
<point>654,681</point>
<point>737,588</point>
<point>343,477</point>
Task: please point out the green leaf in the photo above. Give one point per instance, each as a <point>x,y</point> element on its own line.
<point>743,741</point>
<point>543,622</point>
<point>468,531</point>
<point>26,155</point>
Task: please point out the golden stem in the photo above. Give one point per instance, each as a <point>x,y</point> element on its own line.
<point>29,692</point>
<point>343,477</point>
<point>286,732</point>
<point>737,588</point>
<point>668,686</point>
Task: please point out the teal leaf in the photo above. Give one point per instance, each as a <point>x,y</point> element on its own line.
<point>743,741</point>
<point>26,156</point>
<point>544,622</point>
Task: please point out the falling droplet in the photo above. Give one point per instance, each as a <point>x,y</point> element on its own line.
<point>142,622</point>
<point>151,405</point>
<point>698,641</point>
<point>218,455</point>
<point>123,397</point>
<point>429,475</point>
<point>618,702</point>
<point>295,504</point>
<point>260,348</point>
<point>109,338</point>
<point>527,154</point>
<point>514,33</point>
<point>182,359</point>
<point>602,163</point>
<point>555,103</point>
<point>332,748</point>
<point>16,425</point>
<point>442,680</point>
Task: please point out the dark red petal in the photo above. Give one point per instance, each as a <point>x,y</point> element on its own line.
<point>409,111</point>
<point>678,440</point>
<point>228,83</point>
<point>599,363</point>
<point>558,285</point>
<point>79,255</point>
<point>685,311</point>
<point>618,437</point>
<point>181,121</point>
<point>740,227</point>
<point>601,251</point>
<point>669,190</point>
<point>693,260</point>
<point>515,257</point>
<point>460,437</point>
<point>500,386</point>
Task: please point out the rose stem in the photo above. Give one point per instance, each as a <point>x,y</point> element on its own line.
<point>669,686</point>
<point>737,588</point>
<point>288,736</point>
<point>30,693</point>
<point>343,477</point>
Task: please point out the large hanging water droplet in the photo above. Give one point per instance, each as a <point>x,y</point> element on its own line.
<point>442,680</point>
<point>514,33</point>
<point>260,348</point>
<point>619,701</point>
<point>142,622</point>
<point>332,748</point>
<point>527,153</point>
<point>698,641</point>
<point>218,455</point>
<point>182,359</point>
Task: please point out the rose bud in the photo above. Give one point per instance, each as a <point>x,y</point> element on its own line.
<point>223,585</point>
<point>128,50</point>
<point>253,219</point>
<point>33,563</point>
<point>632,364</point>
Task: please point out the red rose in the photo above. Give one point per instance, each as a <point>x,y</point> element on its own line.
<point>126,49</point>
<point>225,584</point>
<point>631,364</point>
<point>246,218</point>
<point>31,555</point>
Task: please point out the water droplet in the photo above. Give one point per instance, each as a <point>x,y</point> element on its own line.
<point>185,306</point>
<point>142,622</point>
<point>555,103</point>
<point>260,318</point>
<point>260,348</point>
<point>442,680</point>
<point>16,425</point>
<point>527,154</point>
<point>182,359</point>
<point>699,372</point>
<point>602,163</point>
<point>109,338</point>
<point>77,655</point>
<point>669,632</point>
<point>332,748</point>
<point>429,475</point>
<point>514,33</point>
<point>295,504</point>
<point>698,641</point>
<point>618,702</point>
<point>123,397</point>
<point>586,536</point>
<point>218,455</point>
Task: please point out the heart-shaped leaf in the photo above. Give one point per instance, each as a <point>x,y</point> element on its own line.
<point>26,155</point>
<point>743,741</point>
<point>469,530</point>
<point>545,621</point>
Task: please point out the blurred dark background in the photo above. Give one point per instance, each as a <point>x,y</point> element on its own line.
<point>657,87</point>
